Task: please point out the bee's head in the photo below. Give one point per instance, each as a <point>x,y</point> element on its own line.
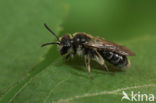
<point>64,43</point>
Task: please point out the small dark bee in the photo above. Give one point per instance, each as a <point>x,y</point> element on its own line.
<point>91,47</point>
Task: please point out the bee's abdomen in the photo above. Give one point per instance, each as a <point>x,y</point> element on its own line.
<point>114,58</point>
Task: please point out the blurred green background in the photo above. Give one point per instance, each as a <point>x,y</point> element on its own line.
<point>31,74</point>
<point>118,20</point>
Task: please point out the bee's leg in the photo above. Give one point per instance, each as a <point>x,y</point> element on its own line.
<point>87,62</point>
<point>69,56</point>
<point>101,61</point>
<point>106,68</point>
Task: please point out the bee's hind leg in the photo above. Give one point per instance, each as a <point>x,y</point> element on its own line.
<point>101,61</point>
<point>106,68</point>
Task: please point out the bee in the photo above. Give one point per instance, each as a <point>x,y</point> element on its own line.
<point>92,48</point>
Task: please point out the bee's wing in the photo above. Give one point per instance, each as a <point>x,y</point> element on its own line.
<point>110,46</point>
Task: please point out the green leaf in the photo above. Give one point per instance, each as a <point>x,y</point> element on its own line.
<point>64,82</point>
<point>22,33</point>
<point>27,77</point>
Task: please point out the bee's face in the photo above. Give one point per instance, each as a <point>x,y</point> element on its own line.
<point>65,44</point>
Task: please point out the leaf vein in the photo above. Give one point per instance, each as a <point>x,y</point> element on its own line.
<point>67,100</point>
<point>52,89</point>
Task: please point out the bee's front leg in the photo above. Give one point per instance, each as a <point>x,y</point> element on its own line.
<point>71,55</point>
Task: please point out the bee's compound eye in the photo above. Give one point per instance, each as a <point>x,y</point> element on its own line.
<point>64,50</point>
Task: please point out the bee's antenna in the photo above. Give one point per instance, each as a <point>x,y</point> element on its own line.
<point>49,44</point>
<point>51,31</point>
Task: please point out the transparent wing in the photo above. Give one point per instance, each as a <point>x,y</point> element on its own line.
<point>110,46</point>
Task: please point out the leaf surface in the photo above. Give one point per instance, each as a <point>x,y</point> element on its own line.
<point>30,74</point>
<point>22,33</point>
<point>68,82</point>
